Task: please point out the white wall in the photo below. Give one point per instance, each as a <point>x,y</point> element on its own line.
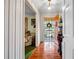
<point>6,30</point>
<point>37,22</point>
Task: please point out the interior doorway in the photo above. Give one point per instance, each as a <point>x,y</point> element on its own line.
<point>14,36</point>
<point>30,30</point>
<point>52,27</point>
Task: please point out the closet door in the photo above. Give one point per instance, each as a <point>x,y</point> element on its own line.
<point>68,41</point>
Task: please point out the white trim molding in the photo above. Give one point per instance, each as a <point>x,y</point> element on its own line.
<point>14,29</point>
<point>6,30</point>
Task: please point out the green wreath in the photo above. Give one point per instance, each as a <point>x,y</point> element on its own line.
<point>49,25</point>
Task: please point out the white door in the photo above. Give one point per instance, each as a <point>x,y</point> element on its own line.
<point>68,41</point>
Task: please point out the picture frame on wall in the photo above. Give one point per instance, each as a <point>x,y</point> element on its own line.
<point>33,22</point>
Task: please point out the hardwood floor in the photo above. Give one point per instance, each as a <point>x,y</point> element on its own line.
<point>46,50</point>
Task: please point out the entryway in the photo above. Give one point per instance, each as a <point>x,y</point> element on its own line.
<point>15,28</point>
<point>30,30</point>
<point>41,34</point>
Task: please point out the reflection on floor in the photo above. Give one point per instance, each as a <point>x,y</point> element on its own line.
<point>46,50</point>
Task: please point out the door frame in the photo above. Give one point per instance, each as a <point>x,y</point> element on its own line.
<point>68,27</point>
<point>14,29</point>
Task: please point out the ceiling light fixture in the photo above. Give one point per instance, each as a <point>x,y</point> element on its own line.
<point>49,7</point>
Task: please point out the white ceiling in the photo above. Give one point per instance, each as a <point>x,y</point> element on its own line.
<point>28,9</point>
<point>42,5</point>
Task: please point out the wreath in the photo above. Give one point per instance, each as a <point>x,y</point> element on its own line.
<point>49,25</point>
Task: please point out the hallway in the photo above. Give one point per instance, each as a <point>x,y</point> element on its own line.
<point>30,22</point>
<point>45,21</point>
<point>46,50</point>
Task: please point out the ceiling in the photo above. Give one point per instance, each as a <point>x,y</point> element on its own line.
<point>28,9</point>
<point>42,6</point>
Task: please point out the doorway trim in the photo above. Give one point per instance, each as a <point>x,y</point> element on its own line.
<point>14,32</point>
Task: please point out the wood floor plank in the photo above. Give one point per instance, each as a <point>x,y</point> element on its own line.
<point>45,50</point>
